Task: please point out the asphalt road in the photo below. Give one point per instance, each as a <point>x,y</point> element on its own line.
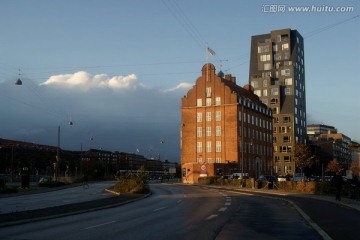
<point>338,221</point>
<point>177,212</point>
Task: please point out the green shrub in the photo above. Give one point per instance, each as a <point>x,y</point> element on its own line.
<point>132,182</point>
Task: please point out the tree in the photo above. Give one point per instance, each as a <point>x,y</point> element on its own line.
<point>303,156</point>
<point>334,166</point>
<point>355,168</point>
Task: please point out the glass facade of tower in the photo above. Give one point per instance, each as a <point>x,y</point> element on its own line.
<point>277,75</point>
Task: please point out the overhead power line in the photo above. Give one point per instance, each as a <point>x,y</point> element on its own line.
<point>320,30</point>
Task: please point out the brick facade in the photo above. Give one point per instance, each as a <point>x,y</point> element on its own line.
<point>225,129</point>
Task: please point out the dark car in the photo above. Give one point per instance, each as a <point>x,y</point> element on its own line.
<point>269,179</point>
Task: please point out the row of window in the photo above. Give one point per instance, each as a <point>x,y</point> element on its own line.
<point>273,92</point>
<point>251,164</point>
<point>275,48</point>
<point>208,102</point>
<point>199,147</point>
<point>254,120</point>
<point>208,131</point>
<point>208,160</point>
<point>282,129</point>
<point>287,158</point>
<point>265,82</point>
<point>285,139</point>
<point>247,148</point>
<point>283,149</point>
<point>257,135</point>
<point>199,117</point>
<point>287,169</point>
<point>284,119</point>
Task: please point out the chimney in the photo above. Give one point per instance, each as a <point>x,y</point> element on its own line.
<point>230,78</point>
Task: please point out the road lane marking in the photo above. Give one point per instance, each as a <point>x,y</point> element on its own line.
<point>100,225</point>
<point>223,209</point>
<point>227,204</point>
<point>158,209</point>
<point>211,216</point>
<point>242,193</point>
<point>179,201</point>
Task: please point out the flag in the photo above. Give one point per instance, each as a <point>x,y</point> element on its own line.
<point>211,52</point>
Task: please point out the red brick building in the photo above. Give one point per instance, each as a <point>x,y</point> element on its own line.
<point>225,129</point>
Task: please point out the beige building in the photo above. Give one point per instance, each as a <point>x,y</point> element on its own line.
<point>225,129</point>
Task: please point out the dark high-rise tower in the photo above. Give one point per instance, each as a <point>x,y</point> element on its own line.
<point>277,74</point>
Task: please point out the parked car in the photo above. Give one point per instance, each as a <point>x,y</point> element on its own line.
<point>269,179</point>
<point>239,176</point>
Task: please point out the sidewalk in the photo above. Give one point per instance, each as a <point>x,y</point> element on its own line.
<point>345,201</point>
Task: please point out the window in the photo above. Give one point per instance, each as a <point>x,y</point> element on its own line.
<point>199,117</point>
<point>208,131</point>
<point>239,116</point>
<point>208,116</point>
<point>208,92</point>
<point>286,139</point>
<point>257,92</point>
<point>266,74</point>
<point>208,101</point>
<point>288,81</point>
<point>199,160</point>
<point>286,119</point>
<point>267,66</point>
<point>264,58</point>
<point>218,160</point>
<point>208,160</point>
<point>264,92</point>
<point>199,102</point>
<point>208,146</point>
<point>199,147</point>
<point>265,83</point>
<point>263,49</point>
<point>277,56</point>
<point>275,48</point>
<point>274,91</point>
<point>287,63</point>
<point>217,116</point>
<point>254,84</point>
<point>286,55</point>
<point>218,146</point>
<point>199,132</point>
<point>285,72</point>
<point>288,91</point>
<point>285,46</point>
<point>218,131</point>
<point>287,158</point>
<point>218,101</point>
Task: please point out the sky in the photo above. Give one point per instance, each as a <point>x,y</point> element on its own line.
<point>117,69</point>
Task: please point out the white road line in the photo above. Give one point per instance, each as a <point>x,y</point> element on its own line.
<point>223,209</point>
<point>227,204</point>
<point>242,193</point>
<point>211,216</point>
<point>179,201</point>
<point>158,209</point>
<point>99,225</point>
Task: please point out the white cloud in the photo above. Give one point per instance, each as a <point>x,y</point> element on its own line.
<point>180,86</point>
<point>86,81</point>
